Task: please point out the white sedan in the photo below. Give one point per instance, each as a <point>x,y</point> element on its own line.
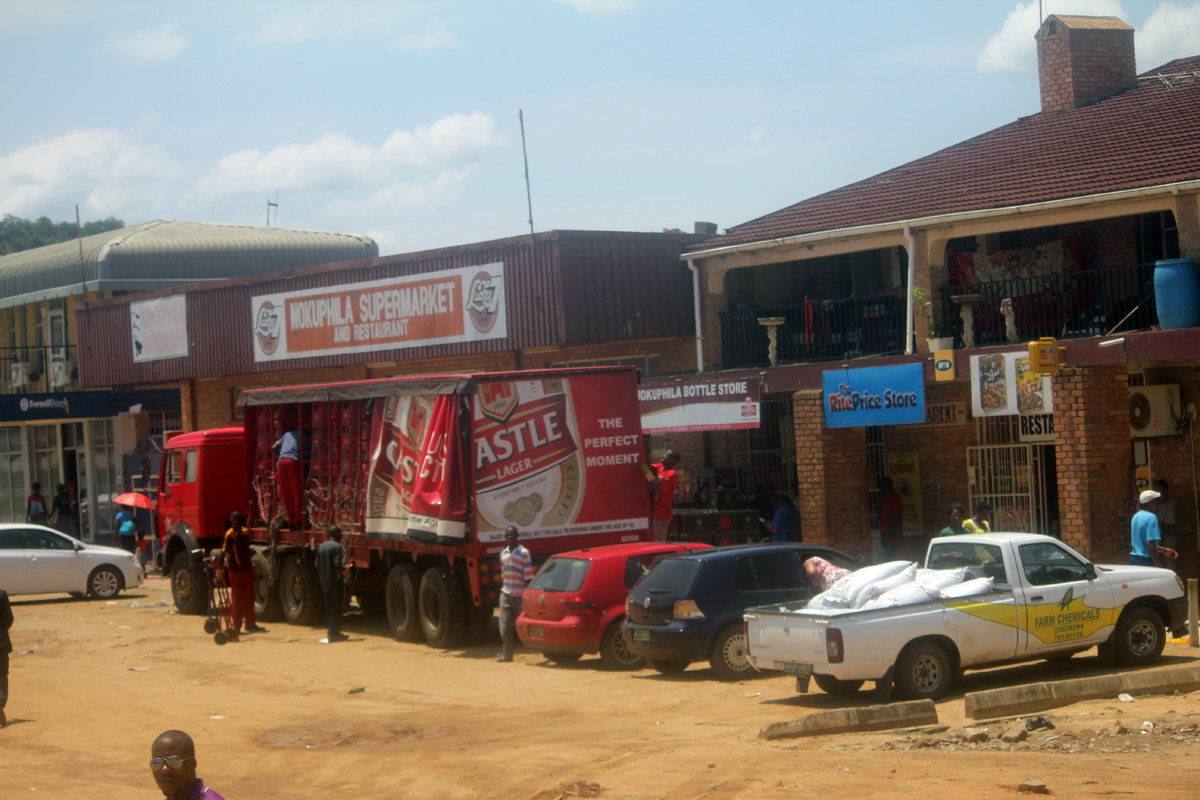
<point>35,559</point>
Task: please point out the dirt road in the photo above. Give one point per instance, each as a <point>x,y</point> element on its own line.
<point>93,683</point>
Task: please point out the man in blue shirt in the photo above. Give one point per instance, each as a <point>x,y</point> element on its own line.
<point>1145,535</point>
<point>127,529</point>
<point>785,525</point>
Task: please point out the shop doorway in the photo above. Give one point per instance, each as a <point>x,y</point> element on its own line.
<point>1012,478</point>
<point>768,452</point>
<point>75,477</point>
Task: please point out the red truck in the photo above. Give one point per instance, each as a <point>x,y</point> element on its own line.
<point>422,474</point>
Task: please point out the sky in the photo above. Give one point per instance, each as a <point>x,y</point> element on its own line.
<point>400,119</point>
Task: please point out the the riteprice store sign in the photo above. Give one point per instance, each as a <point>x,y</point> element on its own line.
<point>875,396</point>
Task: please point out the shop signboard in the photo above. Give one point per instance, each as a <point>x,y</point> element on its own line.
<point>905,471</point>
<point>447,307</point>
<point>1003,384</point>
<point>699,403</point>
<point>1036,428</point>
<point>67,405</point>
<point>875,396</point>
<point>949,414</point>
<point>159,328</point>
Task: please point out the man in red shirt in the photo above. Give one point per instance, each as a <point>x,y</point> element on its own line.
<point>240,569</point>
<point>891,520</point>
<point>665,484</point>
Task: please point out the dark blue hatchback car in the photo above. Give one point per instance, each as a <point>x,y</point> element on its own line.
<point>689,607</point>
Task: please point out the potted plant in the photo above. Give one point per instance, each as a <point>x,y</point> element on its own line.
<point>940,337</point>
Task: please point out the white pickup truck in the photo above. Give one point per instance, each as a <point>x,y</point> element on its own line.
<point>1047,602</point>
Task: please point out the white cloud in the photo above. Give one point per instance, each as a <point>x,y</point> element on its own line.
<point>1172,31</point>
<point>1012,48</point>
<point>332,25</point>
<point>444,187</point>
<point>147,45</point>
<point>600,8</point>
<point>435,37</point>
<point>337,161</point>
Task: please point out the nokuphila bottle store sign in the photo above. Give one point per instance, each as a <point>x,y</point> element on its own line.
<point>874,396</point>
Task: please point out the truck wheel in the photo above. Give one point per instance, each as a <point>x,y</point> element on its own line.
<point>266,602</point>
<point>443,612</point>
<point>923,671</point>
<point>1140,637</point>
<point>728,656</point>
<point>614,649</point>
<point>838,688</point>
<point>668,667</point>
<point>401,599</point>
<point>189,586</point>
<point>299,592</point>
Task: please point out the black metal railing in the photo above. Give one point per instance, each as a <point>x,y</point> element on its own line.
<point>33,369</point>
<point>816,330</point>
<point>1065,305</point>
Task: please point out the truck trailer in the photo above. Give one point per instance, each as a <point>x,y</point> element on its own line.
<point>423,475</point>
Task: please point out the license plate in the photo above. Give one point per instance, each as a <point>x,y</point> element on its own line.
<point>800,670</point>
<point>641,637</point>
<point>538,631</point>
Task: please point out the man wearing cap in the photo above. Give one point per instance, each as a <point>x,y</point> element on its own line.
<point>1145,535</point>
<point>173,762</point>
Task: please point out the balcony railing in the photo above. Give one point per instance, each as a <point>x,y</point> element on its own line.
<point>816,330</point>
<point>33,370</point>
<point>1065,305</point>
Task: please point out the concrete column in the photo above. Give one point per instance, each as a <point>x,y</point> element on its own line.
<point>833,478</point>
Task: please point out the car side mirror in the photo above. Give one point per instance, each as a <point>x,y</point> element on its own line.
<point>76,547</point>
<point>1090,571</point>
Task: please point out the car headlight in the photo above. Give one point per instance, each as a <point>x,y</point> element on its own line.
<point>131,557</point>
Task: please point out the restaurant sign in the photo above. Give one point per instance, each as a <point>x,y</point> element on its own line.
<point>875,396</point>
<point>699,403</point>
<point>447,307</point>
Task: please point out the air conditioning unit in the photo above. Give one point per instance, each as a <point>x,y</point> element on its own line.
<point>20,374</point>
<point>1154,409</point>
<point>60,374</point>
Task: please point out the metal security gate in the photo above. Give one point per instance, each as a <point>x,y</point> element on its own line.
<point>768,452</point>
<point>1011,478</point>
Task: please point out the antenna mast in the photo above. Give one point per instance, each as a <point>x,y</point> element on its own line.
<point>528,195</point>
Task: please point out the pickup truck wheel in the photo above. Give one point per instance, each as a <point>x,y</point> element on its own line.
<point>443,614</point>
<point>299,592</point>
<point>266,602</point>
<point>728,656</point>
<point>923,671</point>
<point>838,688</point>
<point>1140,637</point>
<point>668,667</point>
<point>189,586</point>
<point>615,654</point>
<point>401,600</point>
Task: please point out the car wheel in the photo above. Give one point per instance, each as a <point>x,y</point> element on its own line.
<point>563,658</point>
<point>923,671</point>
<point>1141,637</point>
<point>443,615</point>
<point>104,583</point>
<point>299,593</point>
<point>614,649</point>
<point>838,688</point>
<point>668,667</point>
<point>189,586</point>
<point>267,606</point>
<point>400,598</point>
<point>728,656</point>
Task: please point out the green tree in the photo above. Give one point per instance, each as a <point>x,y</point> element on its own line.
<point>18,234</point>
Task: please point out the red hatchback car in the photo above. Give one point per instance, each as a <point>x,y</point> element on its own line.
<point>576,603</point>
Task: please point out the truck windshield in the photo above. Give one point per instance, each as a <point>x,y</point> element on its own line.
<point>561,575</point>
<point>981,560</point>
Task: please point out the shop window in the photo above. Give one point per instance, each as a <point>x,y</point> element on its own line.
<point>12,476</point>
<point>1157,237</point>
<point>163,421</point>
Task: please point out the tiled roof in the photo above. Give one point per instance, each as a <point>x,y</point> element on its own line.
<point>1147,136</point>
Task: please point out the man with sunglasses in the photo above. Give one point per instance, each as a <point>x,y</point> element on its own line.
<point>173,762</point>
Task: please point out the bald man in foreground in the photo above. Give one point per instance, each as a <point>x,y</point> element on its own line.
<point>173,762</point>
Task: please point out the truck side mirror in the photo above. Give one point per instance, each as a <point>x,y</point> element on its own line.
<point>1089,569</point>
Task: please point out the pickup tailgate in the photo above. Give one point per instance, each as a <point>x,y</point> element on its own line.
<point>780,639</point>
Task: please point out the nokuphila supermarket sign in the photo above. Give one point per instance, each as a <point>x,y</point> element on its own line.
<point>874,396</point>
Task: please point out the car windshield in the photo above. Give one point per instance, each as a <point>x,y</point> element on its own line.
<point>562,575</point>
<point>669,576</point>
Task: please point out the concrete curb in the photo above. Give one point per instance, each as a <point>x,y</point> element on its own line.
<point>1016,700</point>
<point>846,720</point>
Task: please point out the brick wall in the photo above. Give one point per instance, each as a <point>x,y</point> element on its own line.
<point>833,477</point>
<point>1171,459</point>
<point>1187,219</point>
<point>1080,63</point>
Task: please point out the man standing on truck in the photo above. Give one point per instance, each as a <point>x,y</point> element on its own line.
<point>665,484</point>
<point>238,565</point>
<point>331,567</point>
<point>287,476</point>
<point>516,568</point>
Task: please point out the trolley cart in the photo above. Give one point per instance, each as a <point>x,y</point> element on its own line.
<point>220,606</point>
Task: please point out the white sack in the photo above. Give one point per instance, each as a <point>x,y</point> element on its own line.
<point>871,591</point>
<point>824,600</point>
<point>941,578</point>
<point>906,595</point>
<point>968,588</point>
<point>848,587</point>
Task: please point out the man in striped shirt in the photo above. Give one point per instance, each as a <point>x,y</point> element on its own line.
<point>516,568</point>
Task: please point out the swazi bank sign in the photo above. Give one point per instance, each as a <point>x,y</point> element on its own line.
<point>447,307</point>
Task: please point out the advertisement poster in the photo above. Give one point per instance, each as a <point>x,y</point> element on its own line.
<point>699,404</point>
<point>905,471</point>
<point>448,307</point>
<point>159,328</point>
<point>558,457</point>
<point>875,396</point>
<point>398,433</point>
<point>1003,384</point>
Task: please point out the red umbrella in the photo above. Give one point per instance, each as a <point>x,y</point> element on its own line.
<point>134,499</point>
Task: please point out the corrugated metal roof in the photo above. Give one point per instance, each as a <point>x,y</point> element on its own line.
<point>169,252</point>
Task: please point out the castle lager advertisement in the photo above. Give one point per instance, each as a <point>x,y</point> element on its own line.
<point>447,307</point>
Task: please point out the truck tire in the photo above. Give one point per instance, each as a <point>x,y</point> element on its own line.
<point>728,657</point>
<point>443,612</point>
<point>266,600</point>
<point>189,585</point>
<point>400,597</point>
<point>1140,638</point>
<point>837,688</point>
<point>615,654</point>
<point>299,592</point>
<point>923,671</point>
